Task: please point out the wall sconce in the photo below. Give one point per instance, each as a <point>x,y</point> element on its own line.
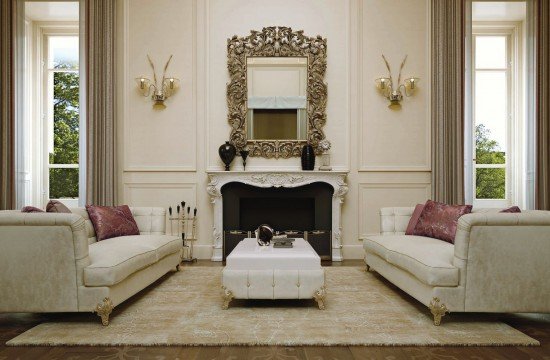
<point>158,92</point>
<point>395,95</point>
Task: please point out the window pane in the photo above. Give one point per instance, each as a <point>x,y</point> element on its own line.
<point>63,183</point>
<point>490,183</point>
<point>490,117</point>
<point>490,52</point>
<point>65,118</point>
<point>63,52</point>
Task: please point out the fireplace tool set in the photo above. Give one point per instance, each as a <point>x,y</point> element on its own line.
<point>186,225</point>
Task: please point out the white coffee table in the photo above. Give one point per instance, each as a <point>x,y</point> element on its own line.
<point>264,272</point>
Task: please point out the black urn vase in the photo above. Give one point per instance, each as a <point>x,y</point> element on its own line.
<point>308,157</point>
<point>227,153</point>
<point>264,234</point>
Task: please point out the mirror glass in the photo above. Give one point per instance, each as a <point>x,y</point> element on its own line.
<point>277,99</point>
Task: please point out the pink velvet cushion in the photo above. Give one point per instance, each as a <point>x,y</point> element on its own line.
<point>112,221</point>
<point>414,219</point>
<point>55,206</point>
<point>513,209</point>
<point>31,209</point>
<point>439,221</point>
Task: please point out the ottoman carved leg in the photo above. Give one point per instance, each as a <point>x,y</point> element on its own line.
<point>367,268</point>
<point>227,297</point>
<point>104,309</point>
<point>438,310</point>
<point>320,296</point>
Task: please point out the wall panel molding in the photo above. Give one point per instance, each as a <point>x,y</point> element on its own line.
<point>128,186</point>
<point>411,194</point>
<point>185,90</point>
<point>373,109</point>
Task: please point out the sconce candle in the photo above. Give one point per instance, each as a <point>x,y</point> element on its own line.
<point>395,95</point>
<point>158,92</point>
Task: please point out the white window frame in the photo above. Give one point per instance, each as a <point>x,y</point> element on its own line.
<point>514,193</point>
<point>43,30</point>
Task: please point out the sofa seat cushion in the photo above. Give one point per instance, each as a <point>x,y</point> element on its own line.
<point>113,260</point>
<point>429,260</point>
<point>164,244</point>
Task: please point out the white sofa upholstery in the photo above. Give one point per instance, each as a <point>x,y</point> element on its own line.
<point>51,262</point>
<point>498,263</point>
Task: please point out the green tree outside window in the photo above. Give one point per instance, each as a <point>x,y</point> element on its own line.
<point>490,182</point>
<point>64,182</point>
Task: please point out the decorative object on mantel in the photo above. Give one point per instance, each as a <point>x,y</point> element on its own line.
<point>324,145</point>
<point>159,92</point>
<point>264,234</point>
<point>244,154</point>
<point>308,157</point>
<point>187,227</point>
<point>227,153</point>
<point>276,41</point>
<point>395,95</point>
<point>283,242</point>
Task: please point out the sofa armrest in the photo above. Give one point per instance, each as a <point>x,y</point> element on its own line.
<point>41,261</point>
<point>505,259</point>
<point>518,226</point>
<point>13,225</point>
<point>394,220</point>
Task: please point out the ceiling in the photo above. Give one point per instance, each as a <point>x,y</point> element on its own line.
<point>51,10</point>
<point>498,10</point>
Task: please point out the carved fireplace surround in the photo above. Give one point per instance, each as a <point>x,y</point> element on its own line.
<point>285,179</point>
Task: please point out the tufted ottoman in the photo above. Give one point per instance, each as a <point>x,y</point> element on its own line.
<point>264,272</point>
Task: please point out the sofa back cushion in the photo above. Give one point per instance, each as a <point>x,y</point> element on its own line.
<point>31,209</point>
<point>55,206</point>
<point>112,221</point>
<point>512,209</point>
<point>439,220</point>
<point>150,221</point>
<point>414,219</point>
<point>394,220</point>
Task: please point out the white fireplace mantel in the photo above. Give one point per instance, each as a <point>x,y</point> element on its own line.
<point>288,179</point>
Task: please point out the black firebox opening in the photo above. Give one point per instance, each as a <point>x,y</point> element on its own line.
<point>279,213</point>
<point>305,208</point>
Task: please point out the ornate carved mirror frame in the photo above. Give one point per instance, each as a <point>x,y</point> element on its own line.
<point>276,41</point>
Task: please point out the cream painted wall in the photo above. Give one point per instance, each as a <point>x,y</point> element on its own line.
<point>164,155</point>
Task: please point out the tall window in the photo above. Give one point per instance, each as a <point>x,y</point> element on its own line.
<point>493,115</point>
<point>62,119</point>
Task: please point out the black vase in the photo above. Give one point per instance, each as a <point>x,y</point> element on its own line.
<point>227,153</point>
<point>308,157</point>
<point>244,155</point>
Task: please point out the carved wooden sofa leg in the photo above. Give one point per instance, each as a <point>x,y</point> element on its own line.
<point>227,297</point>
<point>438,310</point>
<point>320,296</point>
<point>367,268</point>
<point>104,309</point>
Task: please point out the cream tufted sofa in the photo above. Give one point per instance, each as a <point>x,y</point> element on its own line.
<point>53,263</point>
<point>498,263</point>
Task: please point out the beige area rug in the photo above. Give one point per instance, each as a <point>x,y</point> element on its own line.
<point>184,308</point>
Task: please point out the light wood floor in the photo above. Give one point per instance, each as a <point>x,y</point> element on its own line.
<point>536,326</point>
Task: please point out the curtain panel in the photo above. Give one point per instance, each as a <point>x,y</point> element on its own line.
<point>447,109</point>
<point>101,164</point>
<point>542,152</point>
<point>7,104</point>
